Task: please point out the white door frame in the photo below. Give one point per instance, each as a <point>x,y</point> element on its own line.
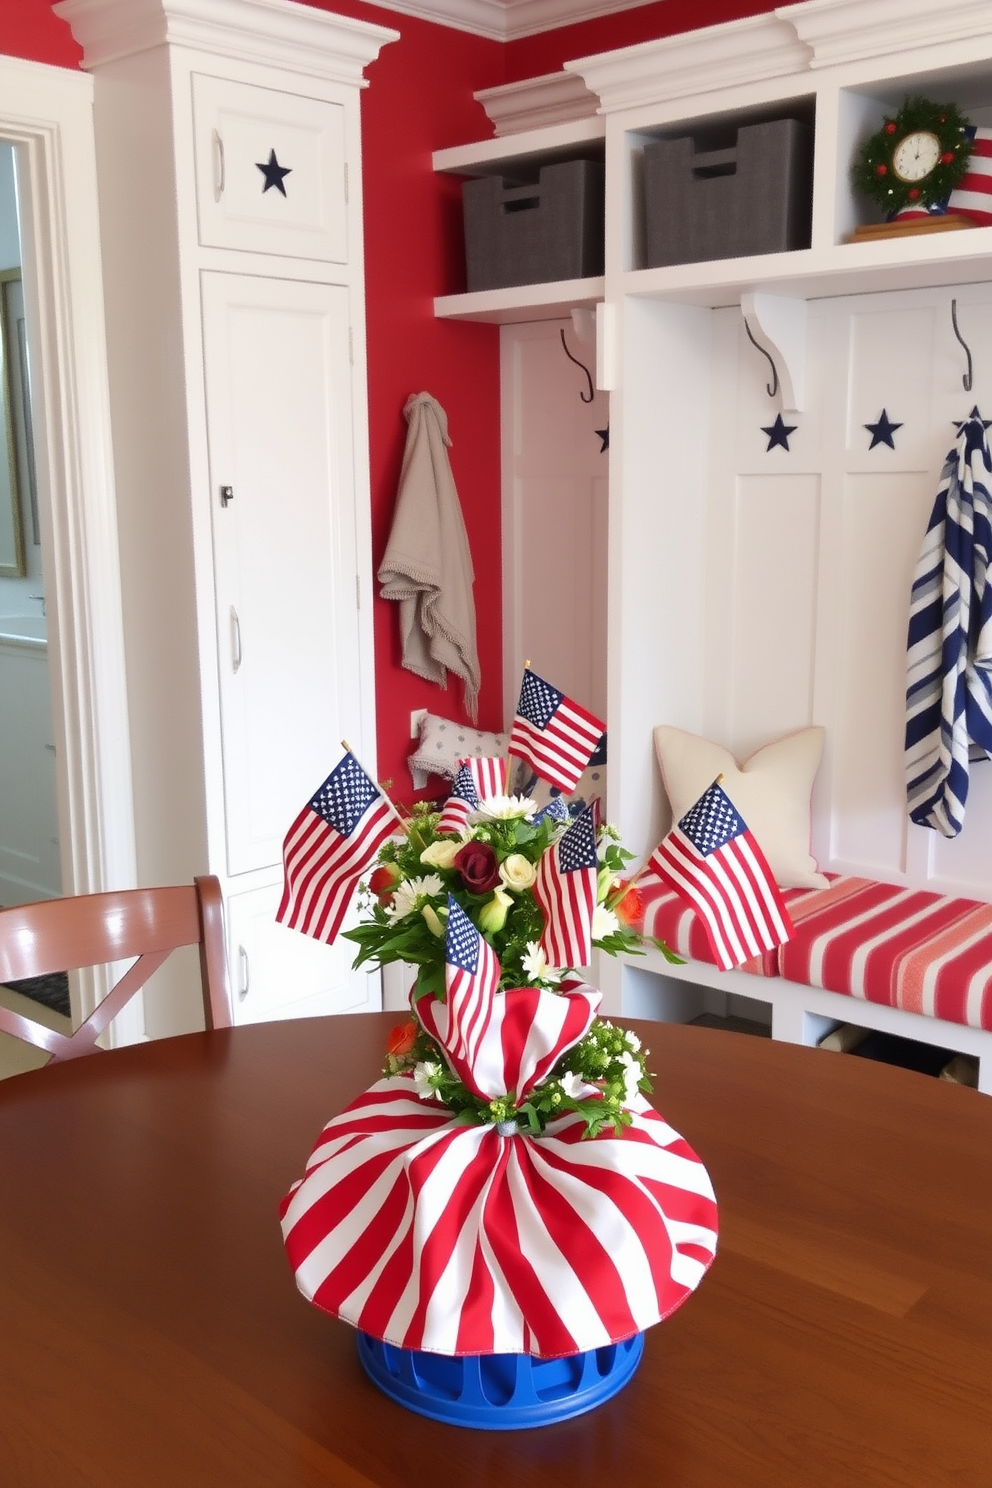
<point>47,112</point>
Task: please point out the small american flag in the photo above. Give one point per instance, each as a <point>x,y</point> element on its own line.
<point>972,196</point>
<point>329,846</point>
<point>711,859</point>
<point>477,779</point>
<point>471,978</point>
<point>555,736</point>
<point>565,889</point>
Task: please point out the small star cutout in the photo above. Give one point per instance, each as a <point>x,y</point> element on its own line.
<point>604,435</point>
<point>882,431</point>
<point>273,173</point>
<point>974,414</point>
<point>778,433</point>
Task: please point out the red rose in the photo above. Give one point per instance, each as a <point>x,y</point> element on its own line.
<point>402,1039</point>
<point>478,866</point>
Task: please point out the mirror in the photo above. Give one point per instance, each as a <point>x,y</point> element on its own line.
<point>12,414</point>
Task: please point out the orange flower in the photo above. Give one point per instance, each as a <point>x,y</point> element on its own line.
<point>628,905</point>
<point>402,1038</point>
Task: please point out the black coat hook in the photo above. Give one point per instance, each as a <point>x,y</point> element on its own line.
<point>771,389</point>
<point>571,358</point>
<point>967,378</point>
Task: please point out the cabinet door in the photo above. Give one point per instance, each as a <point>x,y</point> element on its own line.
<point>270,171</point>
<point>278,973</point>
<point>278,383</point>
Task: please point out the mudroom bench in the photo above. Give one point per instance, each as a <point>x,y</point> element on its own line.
<point>893,959</point>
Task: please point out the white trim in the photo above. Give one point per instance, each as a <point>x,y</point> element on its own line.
<point>48,113</point>
<point>508,20</point>
<point>853,30</point>
<point>694,63</point>
<point>535,103</point>
<point>276,32</point>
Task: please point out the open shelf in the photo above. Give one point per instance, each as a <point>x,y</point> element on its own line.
<point>522,302</point>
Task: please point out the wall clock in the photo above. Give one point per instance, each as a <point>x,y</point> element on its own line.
<point>916,159</point>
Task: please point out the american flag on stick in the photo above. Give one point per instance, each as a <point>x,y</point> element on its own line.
<point>328,848</point>
<point>477,778</point>
<point>712,860</point>
<point>555,736</point>
<point>565,889</point>
<point>471,979</point>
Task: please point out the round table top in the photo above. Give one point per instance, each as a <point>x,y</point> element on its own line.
<point>151,1333</point>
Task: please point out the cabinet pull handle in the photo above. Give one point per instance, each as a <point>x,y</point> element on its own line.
<point>236,652</point>
<point>219,166</point>
<point>244,981</point>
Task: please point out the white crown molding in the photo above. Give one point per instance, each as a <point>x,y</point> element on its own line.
<point>695,62</point>
<point>854,30</point>
<point>278,32</point>
<point>508,20</point>
<point>555,98</point>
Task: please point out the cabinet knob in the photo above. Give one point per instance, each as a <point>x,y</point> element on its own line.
<point>226,495</point>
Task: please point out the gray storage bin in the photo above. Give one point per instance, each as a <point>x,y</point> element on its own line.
<point>754,198</point>
<point>534,234</point>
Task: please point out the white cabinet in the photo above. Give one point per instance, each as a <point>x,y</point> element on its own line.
<point>271,171</point>
<point>228,153</point>
<point>282,474</point>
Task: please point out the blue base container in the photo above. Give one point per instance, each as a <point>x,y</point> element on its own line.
<point>499,1392</point>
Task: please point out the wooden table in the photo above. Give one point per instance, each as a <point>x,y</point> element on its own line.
<point>151,1334</point>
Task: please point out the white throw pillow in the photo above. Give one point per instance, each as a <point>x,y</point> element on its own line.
<point>443,743</point>
<point>771,790</point>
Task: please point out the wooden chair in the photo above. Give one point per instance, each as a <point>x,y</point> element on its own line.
<point>94,929</point>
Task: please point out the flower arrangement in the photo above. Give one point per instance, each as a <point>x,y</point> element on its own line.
<point>490,868</point>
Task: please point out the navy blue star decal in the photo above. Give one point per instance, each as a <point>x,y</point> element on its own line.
<point>273,173</point>
<point>604,435</point>
<point>882,431</point>
<point>778,433</point>
<point>974,414</point>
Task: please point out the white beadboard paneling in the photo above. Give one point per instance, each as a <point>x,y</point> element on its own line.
<point>555,494</point>
<point>884,517</point>
<point>891,366</point>
<point>772,620</point>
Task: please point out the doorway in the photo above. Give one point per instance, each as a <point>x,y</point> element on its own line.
<point>46,125</point>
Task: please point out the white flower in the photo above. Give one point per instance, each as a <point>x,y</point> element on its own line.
<point>633,1042</point>
<point>572,1085</point>
<point>506,808</point>
<point>604,922</point>
<point>441,854</point>
<point>517,872</point>
<point>631,1075</point>
<point>422,1077</point>
<point>411,892</point>
<point>535,964</point>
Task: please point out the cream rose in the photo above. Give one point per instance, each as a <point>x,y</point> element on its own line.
<point>441,854</point>
<point>517,872</point>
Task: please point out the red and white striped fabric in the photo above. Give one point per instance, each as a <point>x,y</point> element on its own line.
<point>668,917</point>
<point>439,1236</point>
<point>908,948</point>
<point>972,197</point>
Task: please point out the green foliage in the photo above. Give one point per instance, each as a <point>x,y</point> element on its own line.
<point>873,172</point>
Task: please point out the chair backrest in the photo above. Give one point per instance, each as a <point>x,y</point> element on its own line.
<point>94,929</point>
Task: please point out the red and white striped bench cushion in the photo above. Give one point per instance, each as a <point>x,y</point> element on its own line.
<point>907,948</point>
<point>668,917</point>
